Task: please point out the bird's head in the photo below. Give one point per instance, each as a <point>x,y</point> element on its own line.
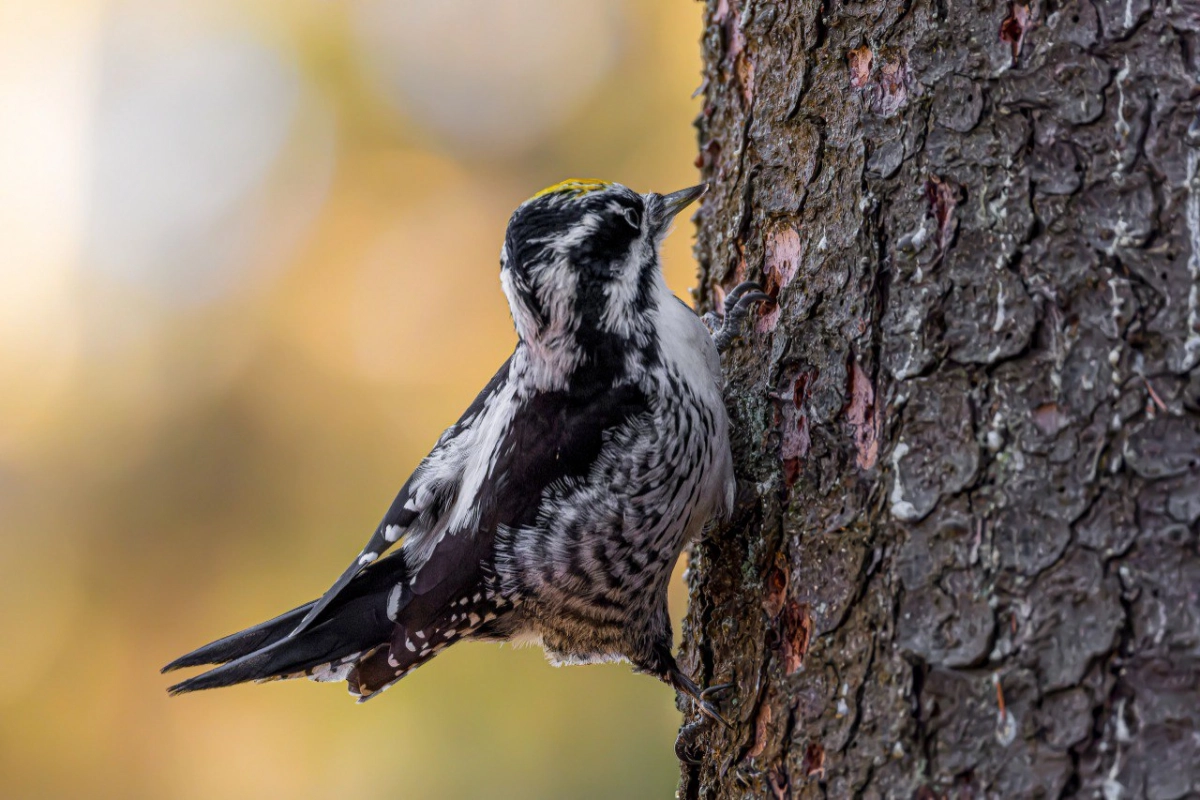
<point>580,266</point>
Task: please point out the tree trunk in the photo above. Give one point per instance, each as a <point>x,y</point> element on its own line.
<point>968,437</point>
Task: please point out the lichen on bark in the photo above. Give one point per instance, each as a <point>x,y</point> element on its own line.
<point>964,562</point>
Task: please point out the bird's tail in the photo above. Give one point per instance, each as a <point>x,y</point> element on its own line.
<point>353,629</point>
<point>242,643</point>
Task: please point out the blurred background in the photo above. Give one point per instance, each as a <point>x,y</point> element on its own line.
<point>248,272</point>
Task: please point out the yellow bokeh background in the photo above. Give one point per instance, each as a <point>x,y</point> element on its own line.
<point>248,272</point>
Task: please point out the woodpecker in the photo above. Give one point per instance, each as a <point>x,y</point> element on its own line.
<point>555,508</point>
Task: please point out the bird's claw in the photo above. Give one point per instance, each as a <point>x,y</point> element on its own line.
<point>735,296</point>
<point>709,710</point>
<point>687,743</point>
<point>700,697</point>
<point>726,326</point>
<point>714,690</point>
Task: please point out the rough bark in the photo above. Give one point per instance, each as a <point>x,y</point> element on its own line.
<point>965,561</point>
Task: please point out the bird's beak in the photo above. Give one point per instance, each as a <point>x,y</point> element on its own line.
<point>675,202</point>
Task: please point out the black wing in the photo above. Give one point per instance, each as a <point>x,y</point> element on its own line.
<point>551,437</point>
<point>555,436</point>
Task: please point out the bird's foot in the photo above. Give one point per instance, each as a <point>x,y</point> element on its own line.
<point>720,688</point>
<point>684,685</point>
<point>687,744</point>
<point>726,326</point>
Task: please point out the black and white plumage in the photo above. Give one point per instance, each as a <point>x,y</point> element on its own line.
<point>555,508</point>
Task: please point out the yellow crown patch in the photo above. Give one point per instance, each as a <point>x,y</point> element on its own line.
<point>574,186</point>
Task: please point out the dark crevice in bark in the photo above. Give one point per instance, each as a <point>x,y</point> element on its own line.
<point>919,672</point>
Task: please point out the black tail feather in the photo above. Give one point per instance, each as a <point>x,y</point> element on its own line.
<point>283,658</point>
<point>254,666</point>
<point>355,622</point>
<point>242,643</point>
<point>323,602</point>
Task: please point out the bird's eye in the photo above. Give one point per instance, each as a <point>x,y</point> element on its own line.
<point>633,218</point>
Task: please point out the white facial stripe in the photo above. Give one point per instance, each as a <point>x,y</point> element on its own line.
<point>557,284</point>
<point>575,234</point>
<point>523,320</point>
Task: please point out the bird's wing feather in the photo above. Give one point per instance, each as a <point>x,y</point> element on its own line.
<point>420,505</point>
<point>548,439</point>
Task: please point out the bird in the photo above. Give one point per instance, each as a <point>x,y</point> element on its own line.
<point>554,510</point>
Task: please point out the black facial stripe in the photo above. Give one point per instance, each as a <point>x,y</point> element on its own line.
<point>607,248</point>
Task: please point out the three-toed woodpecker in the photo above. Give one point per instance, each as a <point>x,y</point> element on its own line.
<point>555,508</point>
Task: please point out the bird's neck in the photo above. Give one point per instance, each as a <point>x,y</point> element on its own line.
<point>571,361</point>
<point>546,363</point>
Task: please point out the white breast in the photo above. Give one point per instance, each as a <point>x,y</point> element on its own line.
<point>686,345</point>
